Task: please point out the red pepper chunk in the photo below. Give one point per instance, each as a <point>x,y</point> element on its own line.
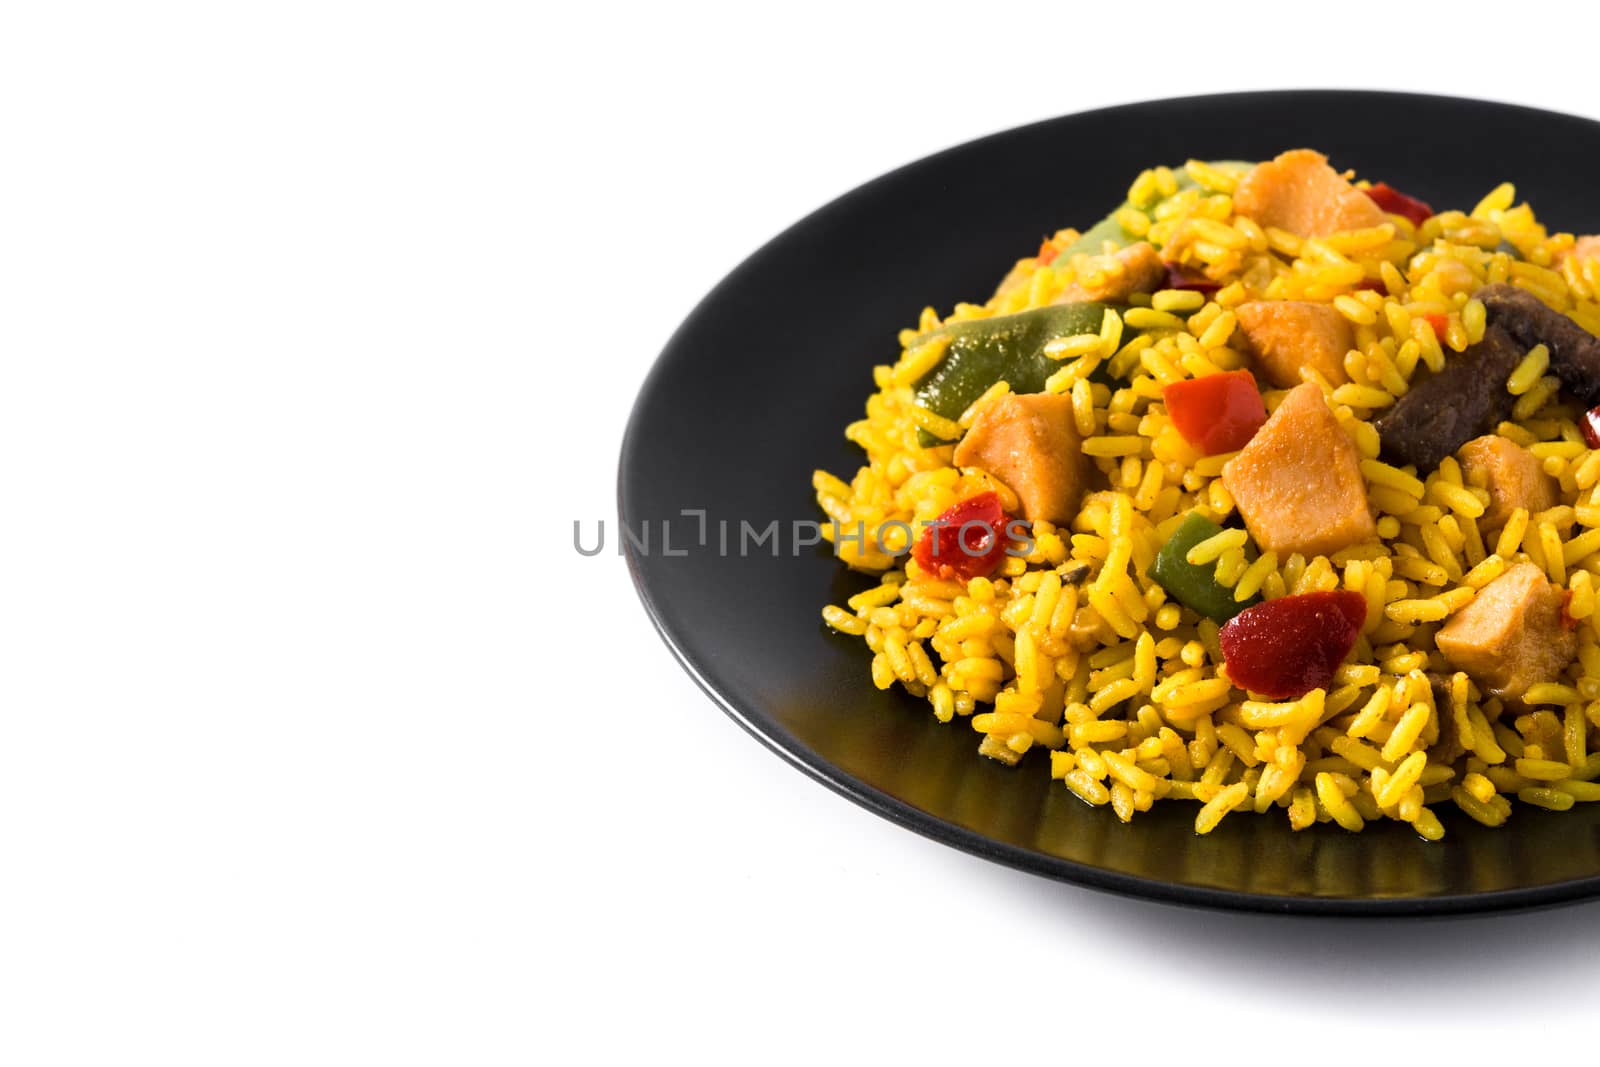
<point>967,541</point>
<point>1178,278</point>
<point>1440,324</point>
<point>1590,425</point>
<point>1047,253</point>
<point>1287,647</point>
<point>1395,202</point>
<point>1218,412</point>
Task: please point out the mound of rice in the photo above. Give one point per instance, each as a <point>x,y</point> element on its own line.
<point>1073,649</point>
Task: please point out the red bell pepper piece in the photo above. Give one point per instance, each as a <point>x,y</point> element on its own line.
<point>1397,203</point>
<point>966,541</point>
<point>1439,322</point>
<point>1218,412</point>
<point>1178,278</point>
<point>1590,425</point>
<point>1047,253</point>
<point>1287,647</point>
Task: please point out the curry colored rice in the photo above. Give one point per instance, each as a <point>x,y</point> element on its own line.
<point>1074,649</point>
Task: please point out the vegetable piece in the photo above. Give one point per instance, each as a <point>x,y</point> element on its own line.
<point>1286,336</point>
<point>1590,425</point>
<point>1395,202</point>
<point>984,351</point>
<point>1287,647</point>
<point>1440,323</point>
<point>967,541</point>
<point>1031,444</point>
<point>1217,412</point>
<point>1512,475</point>
<point>1300,193</point>
<point>1178,278</point>
<point>1441,413</point>
<point>1195,585</point>
<point>1511,635</point>
<point>1010,348</point>
<point>1095,237</point>
<point>1298,483</point>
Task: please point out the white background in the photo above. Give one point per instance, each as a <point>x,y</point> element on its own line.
<point>319,326</point>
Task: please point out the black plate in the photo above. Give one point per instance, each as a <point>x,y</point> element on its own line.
<point>753,393</point>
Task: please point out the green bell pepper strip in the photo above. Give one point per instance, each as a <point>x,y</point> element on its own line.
<point>1195,586</point>
<point>1011,347</point>
<point>1093,239</point>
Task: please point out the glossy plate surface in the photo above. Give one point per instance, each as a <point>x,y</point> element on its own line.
<point>753,393</point>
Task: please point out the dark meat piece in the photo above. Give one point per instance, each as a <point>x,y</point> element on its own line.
<point>1443,412</point>
<point>1449,747</point>
<point>1574,351</point>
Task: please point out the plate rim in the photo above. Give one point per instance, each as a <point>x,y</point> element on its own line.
<point>930,826</point>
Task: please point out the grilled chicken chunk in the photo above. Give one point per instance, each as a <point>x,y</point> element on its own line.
<point>1298,483</point>
<point>1511,636</point>
<point>1300,193</point>
<point>1030,443</point>
<point>1285,336</point>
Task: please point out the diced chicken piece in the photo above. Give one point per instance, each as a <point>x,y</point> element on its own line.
<point>1298,482</point>
<point>1300,193</point>
<point>1030,443</point>
<point>1512,474</point>
<point>1286,335</point>
<point>1118,275</point>
<point>1511,635</point>
<point>1587,247</point>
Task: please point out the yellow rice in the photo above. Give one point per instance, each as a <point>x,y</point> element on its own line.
<point>1075,651</point>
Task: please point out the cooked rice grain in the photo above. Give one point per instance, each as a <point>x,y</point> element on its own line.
<point>1077,651</point>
